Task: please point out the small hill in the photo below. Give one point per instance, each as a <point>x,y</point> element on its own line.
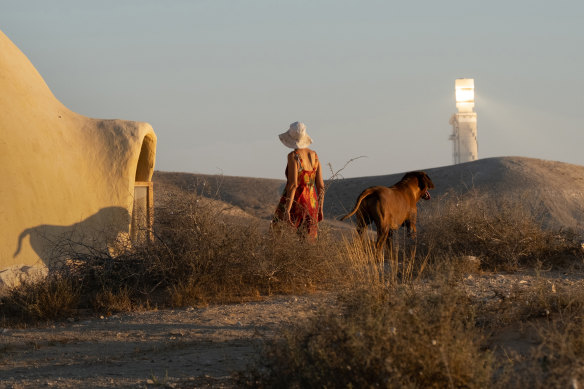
<point>552,191</point>
<point>255,196</point>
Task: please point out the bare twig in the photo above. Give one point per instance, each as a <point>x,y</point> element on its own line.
<point>335,175</point>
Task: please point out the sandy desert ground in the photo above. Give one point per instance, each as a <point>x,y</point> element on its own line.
<point>192,347</point>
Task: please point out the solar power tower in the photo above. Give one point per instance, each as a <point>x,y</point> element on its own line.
<point>464,123</point>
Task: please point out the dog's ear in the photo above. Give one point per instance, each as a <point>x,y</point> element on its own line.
<point>424,182</point>
<point>421,180</point>
<point>429,182</point>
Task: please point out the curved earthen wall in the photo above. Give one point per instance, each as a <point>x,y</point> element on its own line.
<point>65,177</point>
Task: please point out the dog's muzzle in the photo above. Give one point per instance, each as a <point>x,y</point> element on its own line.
<point>426,195</point>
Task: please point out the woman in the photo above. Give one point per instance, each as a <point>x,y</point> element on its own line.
<point>302,200</point>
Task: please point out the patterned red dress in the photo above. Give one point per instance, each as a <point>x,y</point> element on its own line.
<point>304,211</point>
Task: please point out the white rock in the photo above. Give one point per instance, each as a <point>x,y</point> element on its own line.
<point>14,276</point>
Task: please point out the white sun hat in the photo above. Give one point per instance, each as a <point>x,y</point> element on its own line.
<point>296,137</point>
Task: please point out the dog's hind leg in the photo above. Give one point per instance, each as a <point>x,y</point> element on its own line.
<point>361,225</point>
<point>361,228</point>
<point>382,236</point>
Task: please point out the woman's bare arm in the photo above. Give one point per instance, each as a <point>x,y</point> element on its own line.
<point>292,182</point>
<point>320,189</point>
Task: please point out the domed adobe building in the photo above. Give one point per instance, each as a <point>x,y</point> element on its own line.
<point>66,179</point>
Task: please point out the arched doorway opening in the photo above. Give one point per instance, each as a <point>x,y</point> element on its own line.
<point>141,229</point>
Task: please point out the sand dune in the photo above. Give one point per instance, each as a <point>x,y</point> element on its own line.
<point>552,191</point>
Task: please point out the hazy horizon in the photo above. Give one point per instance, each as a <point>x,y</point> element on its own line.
<point>219,80</point>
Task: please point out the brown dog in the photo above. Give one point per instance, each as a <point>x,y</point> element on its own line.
<point>390,208</point>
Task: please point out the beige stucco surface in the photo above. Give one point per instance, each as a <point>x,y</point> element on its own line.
<point>64,177</point>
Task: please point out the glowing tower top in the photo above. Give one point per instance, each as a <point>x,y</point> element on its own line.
<point>464,92</point>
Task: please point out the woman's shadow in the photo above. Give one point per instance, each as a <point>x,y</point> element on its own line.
<point>97,233</point>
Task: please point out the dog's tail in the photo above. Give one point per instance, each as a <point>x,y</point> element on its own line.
<point>362,196</point>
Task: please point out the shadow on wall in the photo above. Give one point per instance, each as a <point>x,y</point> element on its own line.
<point>95,234</point>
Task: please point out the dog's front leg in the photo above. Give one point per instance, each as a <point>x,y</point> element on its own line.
<point>410,225</point>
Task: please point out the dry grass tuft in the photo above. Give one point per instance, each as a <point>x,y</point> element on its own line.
<point>111,302</point>
<point>399,264</point>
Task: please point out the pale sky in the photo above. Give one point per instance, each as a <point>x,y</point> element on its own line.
<point>220,79</point>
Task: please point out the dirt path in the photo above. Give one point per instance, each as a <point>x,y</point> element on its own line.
<point>172,348</point>
<point>199,347</point>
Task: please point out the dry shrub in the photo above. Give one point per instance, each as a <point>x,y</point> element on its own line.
<point>395,338</point>
<point>559,360</point>
<point>430,334</point>
<point>55,297</point>
<point>546,298</point>
<point>211,257</point>
<point>204,252</point>
<point>502,233</point>
<point>555,315</point>
<point>129,281</point>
